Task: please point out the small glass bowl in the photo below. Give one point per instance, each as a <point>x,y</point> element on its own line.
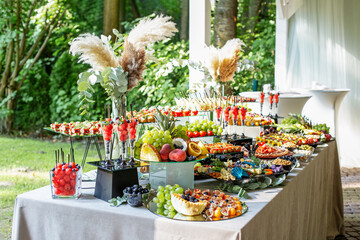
<point>134,200</point>
<point>66,185</point>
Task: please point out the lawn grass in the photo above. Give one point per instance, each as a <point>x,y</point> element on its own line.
<point>24,166</point>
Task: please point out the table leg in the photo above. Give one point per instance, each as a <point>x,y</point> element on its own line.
<point>86,151</point>
<point>97,147</point>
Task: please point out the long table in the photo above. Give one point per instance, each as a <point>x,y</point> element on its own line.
<point>309,206</point>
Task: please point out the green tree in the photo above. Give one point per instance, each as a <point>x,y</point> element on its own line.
<point>26,29</point>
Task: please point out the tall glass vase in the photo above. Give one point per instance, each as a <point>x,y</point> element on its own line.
<point>118,111</point>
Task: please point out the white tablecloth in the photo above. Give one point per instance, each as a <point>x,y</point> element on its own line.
<point>310,206</point>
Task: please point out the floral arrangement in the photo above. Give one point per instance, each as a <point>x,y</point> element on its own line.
<point>118,68</point>
<point>220,64</point>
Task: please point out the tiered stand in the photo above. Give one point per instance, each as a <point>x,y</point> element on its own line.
<point>89,140</point>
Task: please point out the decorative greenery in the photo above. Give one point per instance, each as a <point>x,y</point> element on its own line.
<point>115,202</point>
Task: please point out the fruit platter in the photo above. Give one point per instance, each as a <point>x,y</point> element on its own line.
<point>203,128</point>
<point>85,128</point>
<point>167,142</point>
<point>195,205</point>
<point>208,103</point>
<point>265,151</point>
<point>147,115</point>
<point>298,124</point>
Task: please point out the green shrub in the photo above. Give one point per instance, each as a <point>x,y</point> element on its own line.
<point>63,92</point>
<point>32,109</point>
<point>163,79</point>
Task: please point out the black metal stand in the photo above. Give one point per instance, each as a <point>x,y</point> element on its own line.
<point>87,147</point>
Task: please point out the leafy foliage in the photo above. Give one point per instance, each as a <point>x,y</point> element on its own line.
<point>261,48</point>
<point>163,79</point>
<point>32,109</point>
<point>64,93</point>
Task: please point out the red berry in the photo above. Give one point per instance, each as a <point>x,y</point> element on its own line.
<point>76,169</point>
<point>210,133</point>
<point>57,191</point>
<point>62,182</point>
<point>196,134</point>
<point>132,131</point>
<point>66,193</point>
<point>72,183</point>
<point>73,175</point>
<point>202,133</point>
<point>67,187</point>
<point>66,178</point>
<point>68,171</point>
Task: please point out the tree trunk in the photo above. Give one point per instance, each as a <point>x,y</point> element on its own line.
<point>225,21</point>
<point>111,17</point>
<point>9,121</point>
<point>184,33</point>
<point>135,8</point>
<point>122,6</point>
<point>254,7</point>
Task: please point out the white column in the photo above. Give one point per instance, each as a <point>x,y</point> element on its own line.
<point>199,35</point>
<point>281,45</point>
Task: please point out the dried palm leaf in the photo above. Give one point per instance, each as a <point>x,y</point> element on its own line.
<point>92,50</point>
<point>149,31</point>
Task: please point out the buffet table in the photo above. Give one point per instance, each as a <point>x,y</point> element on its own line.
<point>309,206</point>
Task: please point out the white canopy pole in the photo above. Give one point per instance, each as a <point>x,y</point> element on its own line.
<point>199,35</point>
<point>281,45</point>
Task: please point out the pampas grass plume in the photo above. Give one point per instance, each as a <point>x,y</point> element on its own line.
<point>94,51</point>
<point>149,31</point>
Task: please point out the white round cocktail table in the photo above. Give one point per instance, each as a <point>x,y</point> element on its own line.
<point>324,106</point>
<point>289,102</point>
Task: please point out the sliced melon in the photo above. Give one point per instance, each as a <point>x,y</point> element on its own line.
<point>149,153</point>
<point>186,207</point>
